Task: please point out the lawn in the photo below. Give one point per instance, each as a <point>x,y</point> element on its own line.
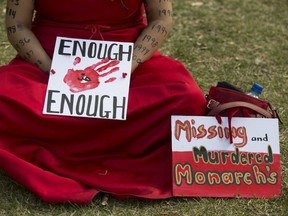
<point>239,41</point>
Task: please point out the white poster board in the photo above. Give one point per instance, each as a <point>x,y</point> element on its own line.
<point>206,164</point>
<point>89,78</point>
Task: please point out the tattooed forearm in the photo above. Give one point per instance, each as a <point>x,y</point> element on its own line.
<point>10,13</point>
<point>159,17</point>
<point>15,2</point>
<point>28,55</point>
<point>18,22</point>
<point>164,12</point>
<point>152,41</point>
<point>21,43</point>
<point>142,49</point>
<point>38,64</point>
<point>160,29</point>
<point>11,30</point>
<point>137,59</point>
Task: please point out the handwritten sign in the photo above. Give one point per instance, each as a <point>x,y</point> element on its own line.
<point>89,78</point>
<point>206,164</point>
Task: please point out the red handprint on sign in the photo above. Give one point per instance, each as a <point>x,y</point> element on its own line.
<point>89,78</point>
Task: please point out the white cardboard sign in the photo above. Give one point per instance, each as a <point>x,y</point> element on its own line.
<point>89,78</point>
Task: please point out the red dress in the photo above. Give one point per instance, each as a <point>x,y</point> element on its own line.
<point>70,159</point>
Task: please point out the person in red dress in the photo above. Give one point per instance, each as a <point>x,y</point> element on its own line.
<point>70,159</point>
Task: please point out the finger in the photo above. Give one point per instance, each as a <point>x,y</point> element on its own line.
<point>106,66</point>
<point>103,61</point>
<point>109,72</point>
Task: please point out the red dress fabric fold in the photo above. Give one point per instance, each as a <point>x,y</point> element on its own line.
<point>70,159</point>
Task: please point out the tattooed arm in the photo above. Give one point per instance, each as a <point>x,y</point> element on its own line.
<point>159,16</point>
<point>18,20</point>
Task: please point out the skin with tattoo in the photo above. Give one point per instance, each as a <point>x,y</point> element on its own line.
<point>159,17</point>
<point>19,16</point>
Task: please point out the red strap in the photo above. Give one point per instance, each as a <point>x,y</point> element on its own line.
<point>230,115</point>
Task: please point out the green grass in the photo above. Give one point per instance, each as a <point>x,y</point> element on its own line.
<point>239,41</point>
